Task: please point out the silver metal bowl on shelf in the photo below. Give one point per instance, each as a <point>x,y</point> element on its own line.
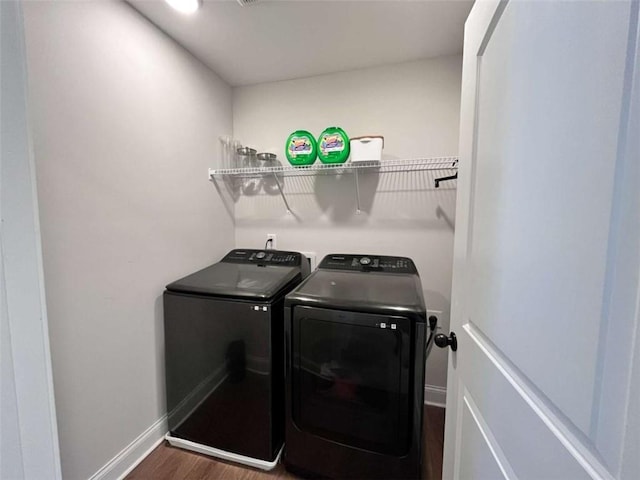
<point>267,157</point>
<point>246,151</point>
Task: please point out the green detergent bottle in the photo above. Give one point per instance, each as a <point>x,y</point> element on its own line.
<point>333,146</point>
<point>301,148</point>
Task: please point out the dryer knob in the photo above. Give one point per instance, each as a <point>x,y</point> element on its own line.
<point>261,255</point>
<point>365,261</point>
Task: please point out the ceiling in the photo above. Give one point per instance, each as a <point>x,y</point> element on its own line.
<point>271,40</point>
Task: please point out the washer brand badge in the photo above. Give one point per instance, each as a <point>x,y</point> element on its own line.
<point>332,143</point>
<point>299,146</point>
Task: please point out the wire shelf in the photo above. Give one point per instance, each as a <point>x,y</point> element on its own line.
<point>386,166</point>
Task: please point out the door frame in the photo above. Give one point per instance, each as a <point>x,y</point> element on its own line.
<point>33,437</point>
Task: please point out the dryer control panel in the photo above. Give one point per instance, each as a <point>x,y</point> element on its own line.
<point>264,257</point>
<point>368,263</point>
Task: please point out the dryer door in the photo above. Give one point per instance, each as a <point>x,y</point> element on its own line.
<point>351,378</point>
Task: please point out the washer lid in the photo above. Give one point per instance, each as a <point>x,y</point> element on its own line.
<point>237,280</point>
<point>361,291</point>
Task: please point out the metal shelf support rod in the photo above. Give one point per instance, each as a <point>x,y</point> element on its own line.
<point>284,199</point>
<point>358,211</point>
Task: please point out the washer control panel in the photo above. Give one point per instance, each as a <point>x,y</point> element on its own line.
<point>368,263</point>
<point>264,257</point>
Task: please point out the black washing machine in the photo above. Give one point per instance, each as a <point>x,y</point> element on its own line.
<point>355,334</point>
<point>224,355</point>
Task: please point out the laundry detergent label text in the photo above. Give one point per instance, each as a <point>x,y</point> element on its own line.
<point>332,143</point>
<point>299,146</point>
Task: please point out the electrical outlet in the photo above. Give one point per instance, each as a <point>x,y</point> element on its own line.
<point>271,245</point>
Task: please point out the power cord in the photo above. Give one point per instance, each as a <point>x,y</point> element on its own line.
<point>433,322</point>
<point>266,244</point>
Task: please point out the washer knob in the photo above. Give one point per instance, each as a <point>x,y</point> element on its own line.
<point>365,261</point>
<point>260,255</point>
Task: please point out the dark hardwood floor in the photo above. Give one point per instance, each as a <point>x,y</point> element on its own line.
<point>433,442</point>
<point>169,463</point>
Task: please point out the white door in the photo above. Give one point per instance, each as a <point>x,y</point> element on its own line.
<point>545,382</point>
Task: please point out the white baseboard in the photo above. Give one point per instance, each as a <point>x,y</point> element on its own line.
<point>124,462</point>
<point>229,456</point>
<point>435,396</point>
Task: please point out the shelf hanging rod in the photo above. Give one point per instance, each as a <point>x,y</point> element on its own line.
<point>358,211</point>
<point>284,199</point>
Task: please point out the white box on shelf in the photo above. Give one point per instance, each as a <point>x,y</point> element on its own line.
<point>367,149</point>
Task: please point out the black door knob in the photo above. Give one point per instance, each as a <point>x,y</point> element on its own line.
<point>443,341</point>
